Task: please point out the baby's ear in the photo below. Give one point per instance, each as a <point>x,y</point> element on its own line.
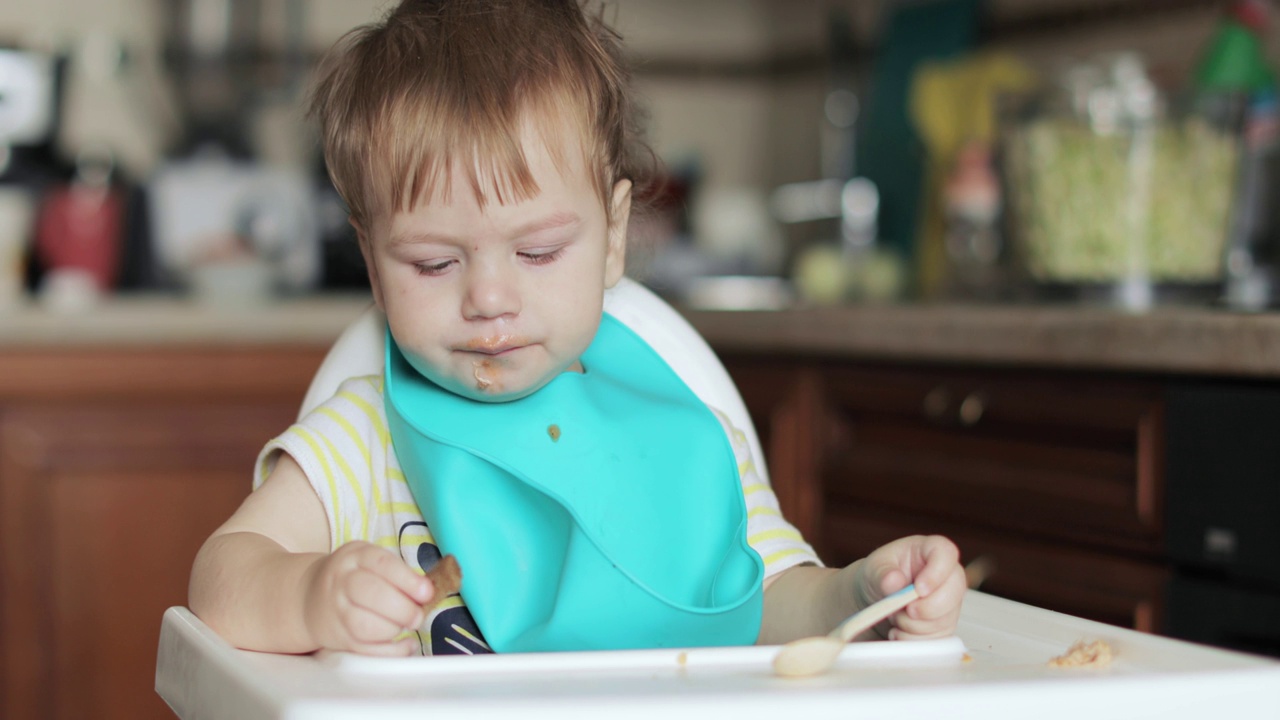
<point>366,251</point>
<point>615,262</point>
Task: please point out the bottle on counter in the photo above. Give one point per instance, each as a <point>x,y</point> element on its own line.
<point>1236,58</point>
<point>1251,256</point>
<point>1234,71</point>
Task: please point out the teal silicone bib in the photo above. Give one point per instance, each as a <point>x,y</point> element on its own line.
<point>602,512</point>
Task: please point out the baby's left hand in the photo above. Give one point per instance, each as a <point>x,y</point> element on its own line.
<point>933,564</point>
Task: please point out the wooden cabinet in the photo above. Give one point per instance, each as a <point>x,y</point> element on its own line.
<point>1056,476</point>
<point>786,409</point>
<point>114,467</point>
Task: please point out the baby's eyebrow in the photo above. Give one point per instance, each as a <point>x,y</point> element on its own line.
<point>554,221</point>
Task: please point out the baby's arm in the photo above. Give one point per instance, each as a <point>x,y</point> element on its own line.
<point>804,601</point>
<point>266,580</point>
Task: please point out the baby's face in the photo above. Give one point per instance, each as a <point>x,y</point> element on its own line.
<point>494,302</point>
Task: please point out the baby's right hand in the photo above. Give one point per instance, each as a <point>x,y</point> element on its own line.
<point>361,597</point>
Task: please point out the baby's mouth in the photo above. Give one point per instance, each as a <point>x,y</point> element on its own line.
<point>493,346</point>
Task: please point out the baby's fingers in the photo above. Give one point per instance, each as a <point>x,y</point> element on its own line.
<point>364,626</point>
<point>906,628</point>
<point>399,648</point>
<point>935,615</point>
<point>388,566</point>
<point>941,559</point>
<point>374,594</point>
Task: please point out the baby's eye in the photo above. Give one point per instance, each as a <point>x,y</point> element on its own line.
<point>433,268</point>
<point>541,257</point>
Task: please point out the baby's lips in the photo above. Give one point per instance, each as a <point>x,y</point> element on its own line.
<point>494,344</point>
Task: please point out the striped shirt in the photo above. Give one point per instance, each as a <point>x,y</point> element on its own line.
<point>345,450</point>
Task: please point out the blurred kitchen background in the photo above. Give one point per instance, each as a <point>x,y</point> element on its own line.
<point>1114,151</point>
<point>1000,269</point>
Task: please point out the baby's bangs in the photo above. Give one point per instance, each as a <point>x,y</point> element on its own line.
<point>420,146</point>
<point>564,119</point>
<point>426,144</point>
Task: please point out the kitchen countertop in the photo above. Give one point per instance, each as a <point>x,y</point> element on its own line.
<point>166,320</point>
<point>1197,341</point>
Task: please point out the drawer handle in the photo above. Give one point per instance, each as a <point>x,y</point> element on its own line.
<point>936,403</point>
<point>972,408</point>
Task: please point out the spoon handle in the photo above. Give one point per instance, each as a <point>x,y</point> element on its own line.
<point>874,613</point>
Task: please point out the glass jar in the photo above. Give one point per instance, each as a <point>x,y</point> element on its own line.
<point>1113,192</point>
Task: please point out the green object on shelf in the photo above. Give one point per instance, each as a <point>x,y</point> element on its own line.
<point>1234,60</point>
<point>890,152</point>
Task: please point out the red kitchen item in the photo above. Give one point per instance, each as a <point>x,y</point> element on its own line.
<point>79,228</point>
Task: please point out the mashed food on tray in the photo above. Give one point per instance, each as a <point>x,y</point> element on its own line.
<point>1096,654</point>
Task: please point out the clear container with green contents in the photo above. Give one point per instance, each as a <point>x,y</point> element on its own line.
<point>1115,193</point>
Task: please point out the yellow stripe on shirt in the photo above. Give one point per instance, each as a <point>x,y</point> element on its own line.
<point>305,434</point>
<point>399,507</point>
<point>417,537</point>
<point>353,482</point>
<point>772,558</point>
<point>379,427</point>
<point>362,449</point>
<point>775,534</point>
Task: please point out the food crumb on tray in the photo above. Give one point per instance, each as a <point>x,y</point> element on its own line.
<point>1096,654</point>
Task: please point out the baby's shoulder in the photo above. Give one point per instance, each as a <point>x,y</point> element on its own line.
<point>360,396</point>
<point>366,386</point>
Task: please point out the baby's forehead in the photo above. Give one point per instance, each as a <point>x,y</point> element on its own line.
<point>540,159</point>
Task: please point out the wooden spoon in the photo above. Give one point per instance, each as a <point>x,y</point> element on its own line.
<point>816,655</point>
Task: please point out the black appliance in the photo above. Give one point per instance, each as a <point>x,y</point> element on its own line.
<point>1223,514</point>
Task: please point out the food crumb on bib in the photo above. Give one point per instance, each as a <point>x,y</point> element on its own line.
<point>554,431</point>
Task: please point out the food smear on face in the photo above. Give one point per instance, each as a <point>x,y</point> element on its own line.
<point>491,349</point>
<point>482,371</point>
<point>1096,654</point>
<point>554,431</point>
<point>494,344</point>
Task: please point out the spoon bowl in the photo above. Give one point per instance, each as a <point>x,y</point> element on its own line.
<point>816,655</point>
<point>807,656</point>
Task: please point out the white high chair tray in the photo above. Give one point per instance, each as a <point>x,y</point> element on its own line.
<point>996,668</point>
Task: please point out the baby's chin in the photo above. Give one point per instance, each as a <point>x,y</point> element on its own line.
<point>497,395</point>
<point>486,385</point>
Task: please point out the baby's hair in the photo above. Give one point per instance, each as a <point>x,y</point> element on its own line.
<point>439,82</point>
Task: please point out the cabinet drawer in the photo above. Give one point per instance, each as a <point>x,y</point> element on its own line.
<point>1076,460</point>
<point>1090,585</point>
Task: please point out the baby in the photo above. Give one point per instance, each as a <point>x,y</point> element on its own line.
<point>487,153</point>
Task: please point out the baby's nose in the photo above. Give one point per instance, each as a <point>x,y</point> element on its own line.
<point>492,291</point>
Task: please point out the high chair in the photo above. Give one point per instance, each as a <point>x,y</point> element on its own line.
<point>359,351</point>
<point>997,662</point>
